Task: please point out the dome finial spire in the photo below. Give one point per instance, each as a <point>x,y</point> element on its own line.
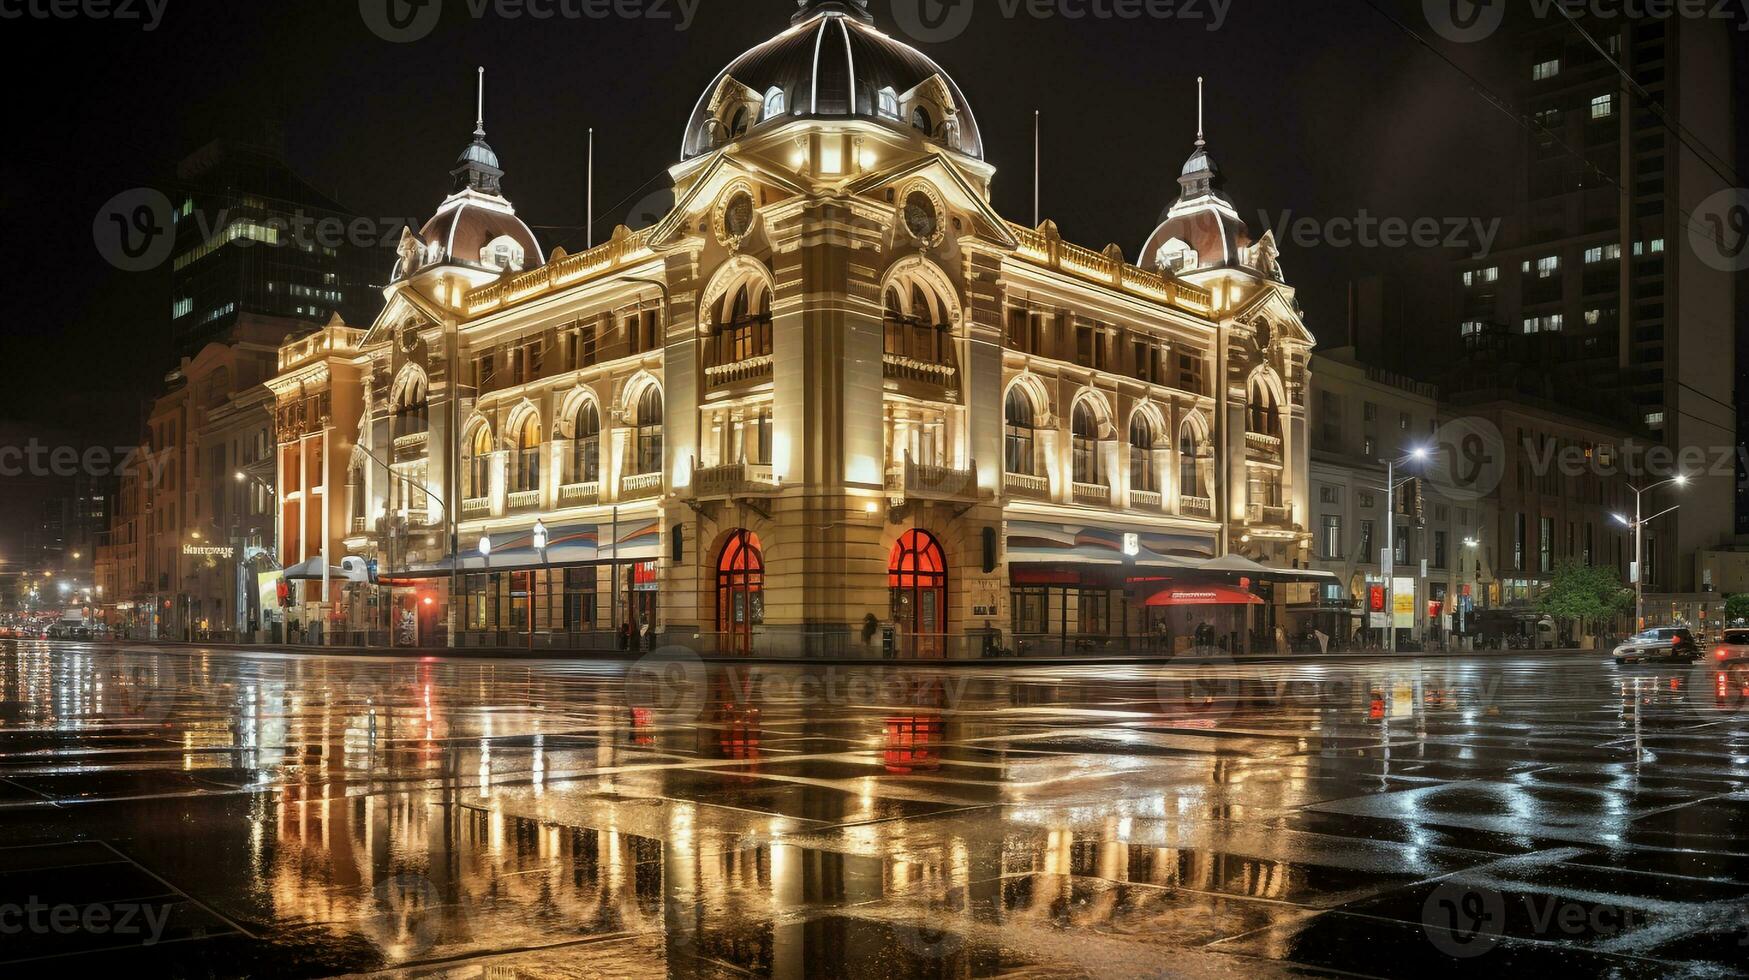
<point>1199,132</point>
<point>480,104</point>
<point>478,167</point>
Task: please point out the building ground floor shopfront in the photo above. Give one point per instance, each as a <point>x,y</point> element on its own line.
<point>1078,589</point>
<point>944,590</point>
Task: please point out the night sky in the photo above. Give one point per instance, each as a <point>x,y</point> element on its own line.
<point>1322,108</point>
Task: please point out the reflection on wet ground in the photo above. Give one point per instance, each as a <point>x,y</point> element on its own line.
<point>272,815</point>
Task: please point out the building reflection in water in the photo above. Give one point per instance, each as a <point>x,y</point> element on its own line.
<point>415,812</point>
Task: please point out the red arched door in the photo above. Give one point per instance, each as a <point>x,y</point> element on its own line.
<point>917,584</point>
<point>740,591</point>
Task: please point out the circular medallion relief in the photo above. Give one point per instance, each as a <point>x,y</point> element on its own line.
<point>738,215</point>
<point>921,218</point>
<point>734,216</point>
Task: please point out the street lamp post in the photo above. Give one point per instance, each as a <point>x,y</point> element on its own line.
<point>1386,567</point>
<point>1638,525</point>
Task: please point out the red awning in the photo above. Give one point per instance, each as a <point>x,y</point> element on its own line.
<point>1203,595</point>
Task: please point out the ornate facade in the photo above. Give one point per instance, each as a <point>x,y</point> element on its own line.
<point>831,391</point>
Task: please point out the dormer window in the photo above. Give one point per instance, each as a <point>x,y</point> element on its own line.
<point>889,103</point>
<point>775,104</point>
<point>503,253</point>
<point>1176,256</point>
<point>920,118</point>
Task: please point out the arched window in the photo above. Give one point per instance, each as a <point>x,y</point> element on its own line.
<point>647,433</point>
<point>889,103</point>
<point>917,589</point>
<point>1019,453</point>
<point>1190,476</point>
<point>586,445</point>
<point>1142,471</point>
<point>1084,446</point>
<point>920,118</point>
<point>528,456</point>
<point>775,104</point>
<point>409,403</point>
<point>740,590</point>
<point>1264,417</point>
<point>738,122</point>
<point>916,322</point>
<point>479,468</point>
<point>742,327</point>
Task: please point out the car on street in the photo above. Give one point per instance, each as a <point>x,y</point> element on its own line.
<point>1733,647</point>
<point>1668,644</point>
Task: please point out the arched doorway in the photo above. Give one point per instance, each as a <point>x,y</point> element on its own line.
<point>740,591</point>
<point>917,586</point>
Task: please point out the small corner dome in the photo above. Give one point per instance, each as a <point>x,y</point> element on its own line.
<point>476,231</point>
<point>831,63</point>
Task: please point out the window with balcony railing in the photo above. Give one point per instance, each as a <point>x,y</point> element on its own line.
<point>1020,442</point>
<point>410,409</point>
<point>1263,414</point>
<point>586,445</point>
<point>647,434</point>
<point>1192,481</point>
<point>1086,465</point>
<point>741,325</point>
<point>1143,473</point>
<point>526,477</point>
<point>478,467</point>
<point>916,328</point>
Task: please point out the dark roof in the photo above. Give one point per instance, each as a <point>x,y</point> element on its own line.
<point>831,63</point>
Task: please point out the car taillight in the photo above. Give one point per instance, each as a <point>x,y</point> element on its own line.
<point>1721,653</point>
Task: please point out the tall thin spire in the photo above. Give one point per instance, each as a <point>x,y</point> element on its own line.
<point>1199,131</point>
<point>1037,164</point>
<point>480,104</point>
<point>478,167</point>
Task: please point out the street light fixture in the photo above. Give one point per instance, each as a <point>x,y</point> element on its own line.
<point>1638,526</point>
<point>1416,454</point>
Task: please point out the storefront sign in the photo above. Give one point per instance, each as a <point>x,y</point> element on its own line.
<point>196,551</point>
<point>1403,603</point>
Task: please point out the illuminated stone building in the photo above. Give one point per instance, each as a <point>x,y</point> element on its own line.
<point>833,390</point>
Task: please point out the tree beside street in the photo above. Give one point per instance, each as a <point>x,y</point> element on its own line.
<point>1586,595</point>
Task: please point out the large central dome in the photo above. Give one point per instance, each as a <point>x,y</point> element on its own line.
<point>832,64</point>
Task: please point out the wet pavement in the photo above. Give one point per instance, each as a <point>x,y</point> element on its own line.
<point>188,813</point>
